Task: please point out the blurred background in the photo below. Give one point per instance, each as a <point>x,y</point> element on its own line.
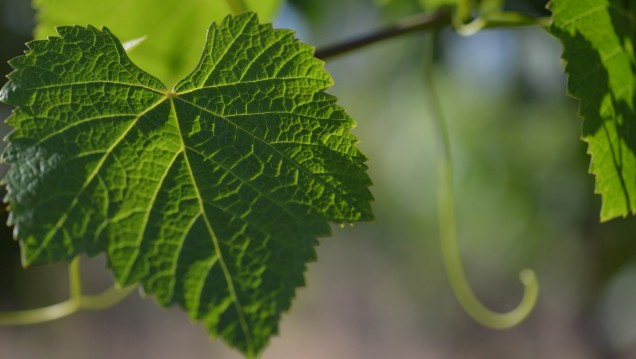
<point>379,290</point>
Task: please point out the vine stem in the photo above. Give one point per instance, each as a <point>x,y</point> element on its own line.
<point>237,7</point>
<point>448,234</point>
<point>432,21</point>
<point>76,301</point>
<point>423,21</point>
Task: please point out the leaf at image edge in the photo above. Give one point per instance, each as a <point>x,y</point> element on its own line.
<point>597,37</point>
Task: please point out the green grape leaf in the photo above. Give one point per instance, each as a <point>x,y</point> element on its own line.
<point>597,37</point>
<point>173,30</point>
<point>210,195</point>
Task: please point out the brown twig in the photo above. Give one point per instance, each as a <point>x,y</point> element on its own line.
<point>424,21</point>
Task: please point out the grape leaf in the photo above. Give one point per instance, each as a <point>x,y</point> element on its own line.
<point>597,37</point>
<point>173,29</point>
<point>210,195</point>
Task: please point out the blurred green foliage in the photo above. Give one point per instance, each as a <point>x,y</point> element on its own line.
<point>174,30</point>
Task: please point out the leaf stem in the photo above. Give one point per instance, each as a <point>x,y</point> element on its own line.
<point>448,235</point>
<point>237,7</point>
<point>463,11</point>
<point>76,302</point>
<point>75,280</point>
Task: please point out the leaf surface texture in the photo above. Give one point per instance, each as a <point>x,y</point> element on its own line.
<point>211,195</point>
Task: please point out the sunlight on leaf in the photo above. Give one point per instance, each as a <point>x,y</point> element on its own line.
<point>211,195</point>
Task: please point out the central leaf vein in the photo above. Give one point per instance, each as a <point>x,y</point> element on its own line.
<point>214,238</point>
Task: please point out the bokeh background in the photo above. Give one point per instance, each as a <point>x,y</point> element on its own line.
<point>379,290</point>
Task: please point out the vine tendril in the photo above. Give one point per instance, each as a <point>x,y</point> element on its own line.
<point>76,302</point>
<point>448,235</point>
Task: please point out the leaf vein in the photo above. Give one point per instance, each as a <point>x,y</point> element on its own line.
<point>307,172</point>
<point>58,225</point>
<point>144,224</point>
<point>215,241</point>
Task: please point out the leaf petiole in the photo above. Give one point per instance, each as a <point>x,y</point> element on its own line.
<point>463,11</point>
<point>76,302</point>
